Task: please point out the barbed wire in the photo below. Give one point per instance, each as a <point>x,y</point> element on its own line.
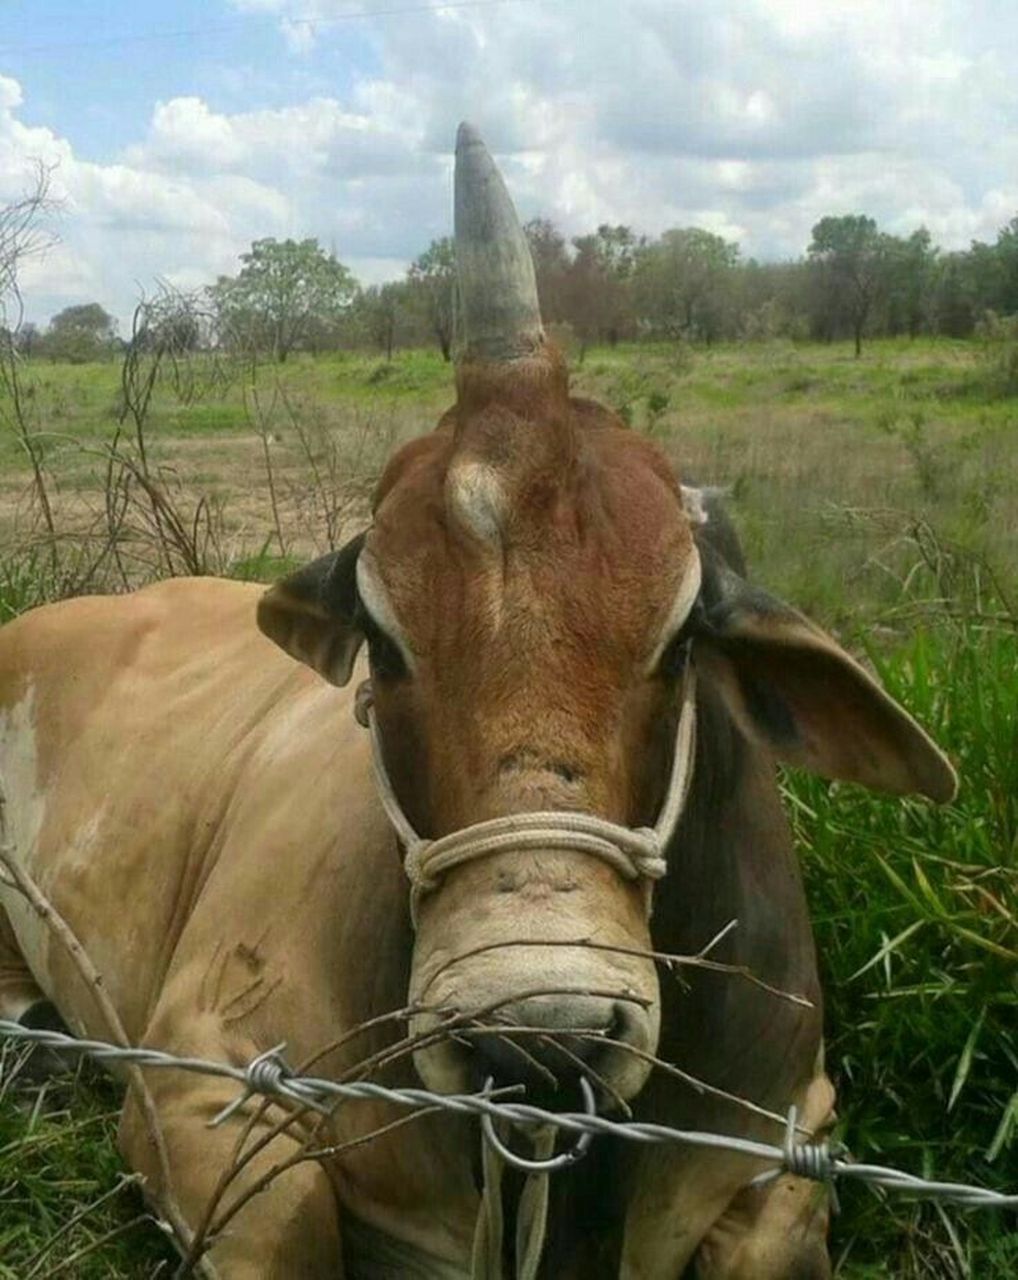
<point>269,1075</point>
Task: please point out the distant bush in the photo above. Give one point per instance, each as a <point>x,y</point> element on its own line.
<point>999,337</point>
<point>79,335</point>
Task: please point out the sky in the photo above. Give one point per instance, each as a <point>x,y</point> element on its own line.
<point>181,133</point>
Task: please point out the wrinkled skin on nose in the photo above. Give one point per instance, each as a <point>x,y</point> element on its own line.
<point>486,951</point>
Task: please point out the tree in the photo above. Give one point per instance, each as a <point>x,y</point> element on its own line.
<point>81,333</point>
<point>378,311</point>
<point>683,283</point>
<point>954,304</point>
<point>994,271</point>
<point>600,284</point>
<point>768,299</point>
<point>849,257</point>
<point>551,267</point>
<point>432,280</point>
<point>1007,257</point>
<point>283,290</point>
<point>911,275</point>
<point>26,339</point>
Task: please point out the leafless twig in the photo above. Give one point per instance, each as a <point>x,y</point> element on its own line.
<point>669,960</point>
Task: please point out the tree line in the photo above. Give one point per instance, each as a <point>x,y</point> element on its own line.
<point>612,284</point>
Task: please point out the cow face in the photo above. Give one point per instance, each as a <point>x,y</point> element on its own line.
<point>524,590</point>
<point>530,591</point>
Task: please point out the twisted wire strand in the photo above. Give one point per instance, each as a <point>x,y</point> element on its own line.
<point>270,1076</point>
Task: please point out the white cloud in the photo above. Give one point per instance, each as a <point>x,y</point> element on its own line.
<point>10,93</point>
<point>60,272</point>
<point>123,225</point>
<point>299,36</point>
<point>751,117</point>
<point>186,132</point>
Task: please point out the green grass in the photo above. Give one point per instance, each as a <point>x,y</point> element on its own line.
<point>57,1161</point>
<point>205,419</point>
<point>880,496</point>
<point>914,909</point>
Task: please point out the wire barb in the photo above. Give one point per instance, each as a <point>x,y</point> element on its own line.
<point>271,1077</point>
<point>812,1160</point>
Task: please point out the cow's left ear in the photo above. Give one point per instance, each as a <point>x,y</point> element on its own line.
<point>793,688</point>
<point>313,614</point>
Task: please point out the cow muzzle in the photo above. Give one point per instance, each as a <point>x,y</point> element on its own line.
<point>544,1014</point>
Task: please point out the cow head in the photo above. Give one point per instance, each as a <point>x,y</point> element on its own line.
<point>531,591</point>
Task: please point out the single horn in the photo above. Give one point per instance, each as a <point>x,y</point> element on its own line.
<point>499,314</point>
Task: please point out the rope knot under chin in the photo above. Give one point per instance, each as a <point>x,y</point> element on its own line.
<point>415,869</point>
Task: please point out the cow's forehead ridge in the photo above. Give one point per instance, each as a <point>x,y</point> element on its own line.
<point>606,533</point>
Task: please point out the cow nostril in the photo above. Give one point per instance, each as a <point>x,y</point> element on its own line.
<point>616,1028</point>
<point>627,1022</point>
<point>619,1030</point>
<point>552,1047</point>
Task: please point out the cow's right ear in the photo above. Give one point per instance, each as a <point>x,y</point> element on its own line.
<point>313,614</point>
<point>793,689</point>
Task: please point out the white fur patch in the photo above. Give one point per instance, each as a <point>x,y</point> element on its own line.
<point>685,597</point>
<point>477,498</point>
<point>692,503</point>
<point>19,777</point>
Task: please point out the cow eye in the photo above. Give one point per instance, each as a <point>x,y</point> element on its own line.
<point>676,656</point>
<point>384,654</point>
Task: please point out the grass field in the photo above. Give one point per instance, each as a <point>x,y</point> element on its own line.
<point>879,495</point>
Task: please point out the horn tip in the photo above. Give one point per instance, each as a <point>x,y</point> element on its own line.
<point>467,136</point>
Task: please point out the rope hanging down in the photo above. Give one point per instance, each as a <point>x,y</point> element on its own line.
<point>269,1076</point>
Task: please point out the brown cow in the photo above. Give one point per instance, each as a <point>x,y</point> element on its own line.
<point>536,598</point>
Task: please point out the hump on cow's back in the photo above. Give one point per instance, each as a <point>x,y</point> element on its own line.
<point>108,636</point>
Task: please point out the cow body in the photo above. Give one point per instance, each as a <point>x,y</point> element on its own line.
<point>187,824</point>
<point>201,811</point>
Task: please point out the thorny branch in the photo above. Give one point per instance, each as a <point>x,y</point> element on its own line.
<point>670,961</point>
<point>22,237</point>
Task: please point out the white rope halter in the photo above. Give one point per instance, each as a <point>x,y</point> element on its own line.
<point>635,853</point>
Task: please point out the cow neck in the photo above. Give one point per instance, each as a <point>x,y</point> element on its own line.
<point>636,853</point>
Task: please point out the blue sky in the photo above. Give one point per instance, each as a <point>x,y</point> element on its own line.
<point>753,118</point>
<point>93,71</point>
